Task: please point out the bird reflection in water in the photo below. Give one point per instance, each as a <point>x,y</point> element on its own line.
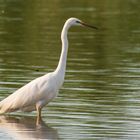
<point>27,128</point>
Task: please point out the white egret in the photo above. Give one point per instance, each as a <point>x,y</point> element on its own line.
<point>39,92</point>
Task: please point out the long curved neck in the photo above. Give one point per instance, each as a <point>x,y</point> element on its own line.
<point>63,57</point>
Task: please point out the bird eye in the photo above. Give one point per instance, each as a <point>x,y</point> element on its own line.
<point>77,21</point>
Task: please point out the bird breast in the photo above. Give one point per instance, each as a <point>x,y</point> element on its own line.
<point>49,85</point>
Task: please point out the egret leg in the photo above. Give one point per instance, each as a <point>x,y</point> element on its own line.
<point>38,108</point>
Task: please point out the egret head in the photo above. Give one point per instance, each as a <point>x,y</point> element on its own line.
<point>77,22</point>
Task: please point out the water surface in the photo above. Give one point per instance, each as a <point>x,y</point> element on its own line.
<point>100,97</point>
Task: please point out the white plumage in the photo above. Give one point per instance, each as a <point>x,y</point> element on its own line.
<point>39,92</point>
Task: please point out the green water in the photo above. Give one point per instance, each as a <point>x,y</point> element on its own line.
<point>100,98</point>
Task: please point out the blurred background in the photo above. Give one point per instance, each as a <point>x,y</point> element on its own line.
<point>100,98</point>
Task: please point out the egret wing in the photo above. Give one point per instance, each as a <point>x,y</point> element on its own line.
<point>27,95</point>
